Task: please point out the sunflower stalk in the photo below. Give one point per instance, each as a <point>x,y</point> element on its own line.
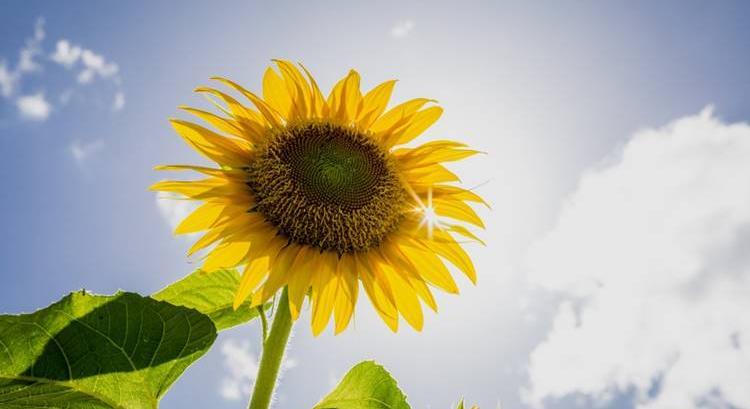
<point>274,346</point>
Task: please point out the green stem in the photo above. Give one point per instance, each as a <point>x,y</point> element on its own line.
<point>273,353</point>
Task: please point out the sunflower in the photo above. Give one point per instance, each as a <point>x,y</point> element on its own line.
<point>319,194</point>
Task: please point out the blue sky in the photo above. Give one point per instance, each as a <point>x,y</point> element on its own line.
<point>559,96</point>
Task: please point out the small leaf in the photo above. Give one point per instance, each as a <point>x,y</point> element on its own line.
<point>212,294</point>
<point>461,405</point>
<point>92,351</point>
<point>366,386</point>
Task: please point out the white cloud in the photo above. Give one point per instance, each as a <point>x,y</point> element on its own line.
<point>242,365</point>
<point>66,54</point>
<point>81,151</point>
<point>69,55</point>
<point>402,28</point>
<point>33,107</point>
<point>119,102</point>
<point>173,208</point>
<point>32,49</point>
<point>94,64</point>
<point>650,253</point>
<point>7,80</point>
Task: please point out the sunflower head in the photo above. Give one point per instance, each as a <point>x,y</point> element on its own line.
<point>319,194</point>
<point>315,180</point>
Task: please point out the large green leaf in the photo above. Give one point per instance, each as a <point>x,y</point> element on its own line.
<point>92,351</point>
<point>212,294</point>
<point>366,386</point>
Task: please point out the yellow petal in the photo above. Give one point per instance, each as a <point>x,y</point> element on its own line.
<point>215,147</point>
<point>374,104</point>
<point>333,102</point>
<point>215,234</point>
<point>447,155</point>
<point>211,237</point>
<point>200,219</point>
<point>429,175</point>
<point>464,232</point>
<point>431,268</point>
<point>196,189</point>
<point>458,210</point>
<point>226,255</point>
<point>299,279</point>
<point>440,144</point>
<point>218,173</point>
<point>444,245</point>
<point>352,96</point>
<point>345,98</point>
<point>456,193</point>
<point>324,289</point>
<point>240,112</point>
<point>381,301</point>
<point>405,297</point>
<point>271,116</point>
<point>240,227</point>
<point>403,266</point>
<point>275,93</point>
<point>226,125</point>
<point>419,157</point>
<point>297,87</point>
<point>281,261</point>
<point>254,273</point>
<point>317,103</point>
<point>398,115</point>
<point>422,291</point>
<point>418,124</point>
<point>347,295</point>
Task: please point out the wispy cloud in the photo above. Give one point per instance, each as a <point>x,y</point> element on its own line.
<point>402,28</point>
<point>34,107</point>
<point>651,254</point>
<point>65,97</point>
<point>7,80</point>
<point>81,151</point>
<point>32,58</point>
<point>10,77</point>
<point>242,365</point>
<point>31,50</point>
<point>119,102</point>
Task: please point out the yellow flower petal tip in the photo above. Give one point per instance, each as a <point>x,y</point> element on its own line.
<point>324,193</point>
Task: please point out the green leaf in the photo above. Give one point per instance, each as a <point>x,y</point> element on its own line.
<point>461,405</point>
<point>25,394</point>
<point>92,351</point>
<point>212,294</point>
<point>366,386</point>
